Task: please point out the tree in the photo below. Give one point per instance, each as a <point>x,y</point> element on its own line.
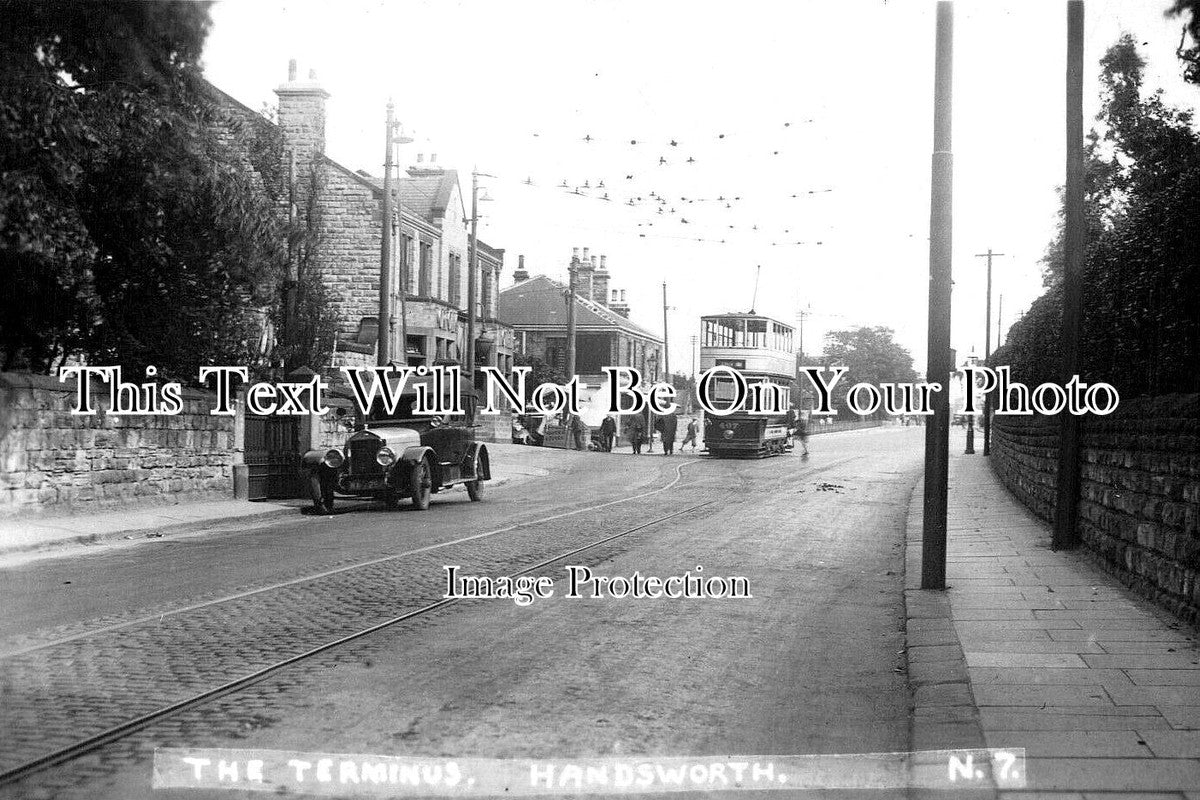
<point>870,355</point>
<point>1141,266</point>
<point>539,371</point>
<point>134,229</point>
<point>1189,54</point>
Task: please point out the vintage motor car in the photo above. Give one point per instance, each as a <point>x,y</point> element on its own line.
<point>398,456</point>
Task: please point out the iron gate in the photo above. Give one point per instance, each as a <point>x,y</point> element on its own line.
<point>273,457</point>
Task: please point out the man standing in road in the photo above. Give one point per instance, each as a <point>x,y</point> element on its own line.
<point>576,430</point>
<point>670,424</point>
<point>608,432</point>
<point>637,433</point>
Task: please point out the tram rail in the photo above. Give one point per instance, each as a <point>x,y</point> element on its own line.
<point>125,728</point>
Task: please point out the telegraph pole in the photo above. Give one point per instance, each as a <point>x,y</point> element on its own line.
<point>1000,322</point>
<point>1065,513</point>
<point>666,348</point>
<point>802,314</point>
<point>695,340</point>
<point>940,359</point>
<point>472,258</point>
<point>383,350</point>
<point>987,352</point>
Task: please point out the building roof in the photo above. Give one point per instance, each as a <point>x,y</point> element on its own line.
<point>538,304</point>
<point>427,191</point>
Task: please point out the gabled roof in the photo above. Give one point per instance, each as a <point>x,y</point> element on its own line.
<point>538,303</point>
<point>428,191</point>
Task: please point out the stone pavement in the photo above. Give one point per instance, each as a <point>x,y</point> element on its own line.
<point>20,536</point>
<point>1042,650</point>
<point>42,533</point>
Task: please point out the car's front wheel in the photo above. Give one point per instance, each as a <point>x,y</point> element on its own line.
<point>421,483</point>
<point>475,487</point>
<point>322,494</point>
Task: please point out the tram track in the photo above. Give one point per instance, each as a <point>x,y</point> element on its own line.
<point>160,615</point>
<point>126,727</point>
<point>115,733</point>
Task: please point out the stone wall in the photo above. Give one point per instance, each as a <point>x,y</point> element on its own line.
<point>52,461</point>
<point>1139,505</point>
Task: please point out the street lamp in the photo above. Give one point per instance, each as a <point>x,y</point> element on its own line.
<point>969,394</point>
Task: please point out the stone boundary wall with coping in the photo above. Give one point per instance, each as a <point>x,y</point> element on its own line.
<point>1139,503</point>
<point>53,461</point>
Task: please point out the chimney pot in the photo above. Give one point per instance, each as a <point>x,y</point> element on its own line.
<point>574,253</point>
<point>593,262</point>
<point>602,260</point>
<point>585,254</point>
<point>312,74</point>
<point>433,158</point>
<point>420,157</point>
<point>292,70</point>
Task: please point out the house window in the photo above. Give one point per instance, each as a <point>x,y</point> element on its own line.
<point>426,270</point>
<point>406,243</point>
<point>455,279</point>
<point>486,301</point>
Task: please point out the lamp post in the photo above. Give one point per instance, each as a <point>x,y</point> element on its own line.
<point>969,393</point>
<point>472,287</point>
<point>387,229</point>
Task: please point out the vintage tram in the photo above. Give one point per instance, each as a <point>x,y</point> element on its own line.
<point>760,350</point>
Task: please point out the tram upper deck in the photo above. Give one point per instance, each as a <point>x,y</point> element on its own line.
<point>754,345</point>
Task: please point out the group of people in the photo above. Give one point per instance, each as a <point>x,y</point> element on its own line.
<point>639,435</point>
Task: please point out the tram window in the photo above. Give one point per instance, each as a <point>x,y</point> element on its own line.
<point>756,333</point>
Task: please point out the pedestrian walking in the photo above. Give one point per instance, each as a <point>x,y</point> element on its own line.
<point>637,433</point>
<point>576,429</point>
<point>689,435</point>
<point>802,433</point>
<point>669,426</point>
<point>608,432</point>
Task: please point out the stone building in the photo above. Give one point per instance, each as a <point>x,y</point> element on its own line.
<point>536,309</point>
<point>430,245</point>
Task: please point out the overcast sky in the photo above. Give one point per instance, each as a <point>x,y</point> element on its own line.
<point>813,120</point>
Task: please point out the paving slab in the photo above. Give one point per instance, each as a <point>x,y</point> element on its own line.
<point>1099,686</point>
<point>1077,744</point>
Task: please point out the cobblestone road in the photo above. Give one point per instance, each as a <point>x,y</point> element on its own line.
<point>59,692</point>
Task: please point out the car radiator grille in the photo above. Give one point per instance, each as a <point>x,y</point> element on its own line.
<point>362,456</point>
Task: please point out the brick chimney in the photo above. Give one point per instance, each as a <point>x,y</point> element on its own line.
<point>520,276</point>
<point>600,283</point>
<point>583,275</point>
<point>618,303</point>
<point>302,117</point>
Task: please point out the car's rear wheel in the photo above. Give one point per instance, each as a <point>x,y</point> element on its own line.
<point>475,487</point>
<point>322,494</point>
<point>421,482</point>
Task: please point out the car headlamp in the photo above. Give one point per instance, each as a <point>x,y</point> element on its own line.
<point>385,457</point>
<point>333,459</point>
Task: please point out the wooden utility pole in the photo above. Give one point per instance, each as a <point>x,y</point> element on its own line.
<point>1065,512</point>
<point>472,289</point>
<point>572,271</point>
<point>1000,322</point>
<point>666,350</point>
<point>987,352</point>
<point>940,359</point>
<point>383,350</point>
